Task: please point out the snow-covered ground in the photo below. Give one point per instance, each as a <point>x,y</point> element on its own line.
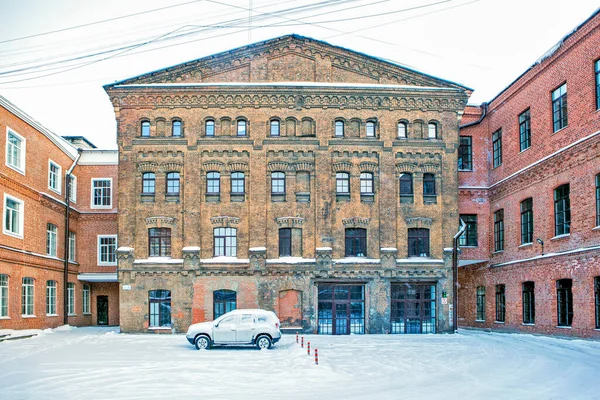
<point>100,363</point>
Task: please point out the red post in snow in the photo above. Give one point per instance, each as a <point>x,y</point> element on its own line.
<point>317,356</point>
<point>308,351</point>
<point>302,342</point>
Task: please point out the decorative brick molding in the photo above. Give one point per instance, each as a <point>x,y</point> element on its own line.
<point>343,166</point>
<point>212,166</point>
<point>402,168</point>
<point>148,166</point>
<point>431,168</point>
<point>224,221</point>
<point>289,222</point>
<point>355,222</point>
<point>277,166</point>
<point>159,222</point>
<point>304,166</point>
<point>237,166</point>
<point>419,222</point>
<point>172,167</point>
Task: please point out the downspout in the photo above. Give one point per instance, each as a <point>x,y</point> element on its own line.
<point>67,213</point>
<point>462,229</point>
<point>484,107</point>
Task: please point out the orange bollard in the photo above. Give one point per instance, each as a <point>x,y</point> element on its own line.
<point>308,352</point>
<point>317,356</point>
<point>302,342</point>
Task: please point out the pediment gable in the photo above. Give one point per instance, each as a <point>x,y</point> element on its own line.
<point>290,58</point>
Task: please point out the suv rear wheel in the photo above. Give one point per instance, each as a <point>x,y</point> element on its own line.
<point>263,342</point>
<point>202,342</point>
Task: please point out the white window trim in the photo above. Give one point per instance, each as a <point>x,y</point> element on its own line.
<point>73,193</point>
<point>98,250</point>
<point>53,251</point>
<point>55,299</point>
<point>71,298</point>
<point>86,303</point>
<point>32,315</point>
<point>73,253</point>
<point>7,316</point>
<point>58,188</point>
<point>92,193</point>
<point>23,151</point>
<point>21,215</point>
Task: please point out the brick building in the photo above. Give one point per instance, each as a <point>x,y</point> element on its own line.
<point>529,191</point>
<point>290,175</point>
<point>33,245</point>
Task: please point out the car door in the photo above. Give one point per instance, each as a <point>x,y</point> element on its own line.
<point>246,328</point>
<point>225,330</point>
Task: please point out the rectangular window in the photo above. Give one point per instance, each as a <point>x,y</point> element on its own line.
<point>3,296</point>
<point>527,221</point>
<point>159,242</point>
<point>15,151</point>
<point>102,193</point>
<point>528,303</point>
<point>27,297</point>
<point>13,216</point>
<point>598,200</point>
<point>54,176</point>
<point>465,154</point>
<point>237,183</point>
<point>342,183</point>
<point>524,130</point>
<point>72,247</point>
<point>499,230</point>
<point>86,300</point>
<point>51,298</point>
<point>596,296</point>
<point>278,183</point>
<point>173,184</point>
<point>497,147</point>
<point>469,236</point>
<point>500,303</point>
<point>418,242</point>
<point>597,64</point>
<point>71,298</point>
<point>51,237</point>
<point>73,188</point>
<point>366,183</point>
<point>285,242</point>
<point>481,303</point>
<point>356,242</point>
<point>564,302</point>
<point>160,308</point>
<point>562,210</point>
<point>559,107</point>
<point>225,242</point>
<point>107,250</point>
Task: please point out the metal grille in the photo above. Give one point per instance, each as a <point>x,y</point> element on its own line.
<point>341,309</point>
<point>413,308</point>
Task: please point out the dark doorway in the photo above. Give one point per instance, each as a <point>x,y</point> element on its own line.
<point>341,309</point>
<point>413,308</point>
<point>102,309</point>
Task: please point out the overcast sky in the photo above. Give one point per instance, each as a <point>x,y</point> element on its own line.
<point>56,55</point>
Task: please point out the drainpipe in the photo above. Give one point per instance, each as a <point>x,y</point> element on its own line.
<point>484,107</point>
<point>66,254</point>
<point>463,227</point>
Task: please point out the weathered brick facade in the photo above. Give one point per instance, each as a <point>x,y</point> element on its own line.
<point>306,86</point>
<point>555,157</point>
<point>24,252</point>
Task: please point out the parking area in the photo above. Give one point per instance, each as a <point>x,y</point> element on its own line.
<point>99,363</point>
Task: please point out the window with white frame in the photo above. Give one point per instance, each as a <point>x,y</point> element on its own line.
<point>101,193</point>
<point>54,176</point>
<point>72,248</point>
<point>13,216</point>
<point>27,297</point>
<point>85,299</point>
<point>73,188</point>
<point>225,242</point>
<point>3,296</point>
<point>107,248</point>
<point>51,239</point>
<point>51,298</point>
<point>71,298</point>
<point>15,151</point>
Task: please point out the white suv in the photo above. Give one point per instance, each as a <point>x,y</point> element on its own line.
<point>238,327</point>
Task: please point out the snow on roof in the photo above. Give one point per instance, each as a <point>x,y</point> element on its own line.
<point>99,157</point>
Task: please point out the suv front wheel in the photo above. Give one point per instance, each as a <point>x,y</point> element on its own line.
<point>202,342</point>
<point>263,342</point>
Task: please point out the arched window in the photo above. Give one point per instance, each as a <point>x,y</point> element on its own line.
<point>432,130</point>
<point>275,127</point>
<point>173,184</point>
<point>418,242</point>
<point>242,127</point>
<point>402,130</point>
<point>356,242</point>
<point>159,242</point>
<point>146,128</point>
<point>562,210</point>
<point>224,301</point>
<point>27,296</point>
<point>428,185</point>
<point>237,183</point>
<point>366,183</point>
<point>50,297</point>
<point>148,183</point>
<point>406,188</point>
<point>160,308</point>
<point>209,127</point>
<point>225,242</point>
<point>342,183</point>
<point>213,183</point>
<point>339,128</point>
<point>370,129</point>
<point>176,128</point>
<point>278,183</point>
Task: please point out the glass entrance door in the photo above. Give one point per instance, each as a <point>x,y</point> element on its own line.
<point>413,308</point>
<point>341,309</point>
<point>102,309</point>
